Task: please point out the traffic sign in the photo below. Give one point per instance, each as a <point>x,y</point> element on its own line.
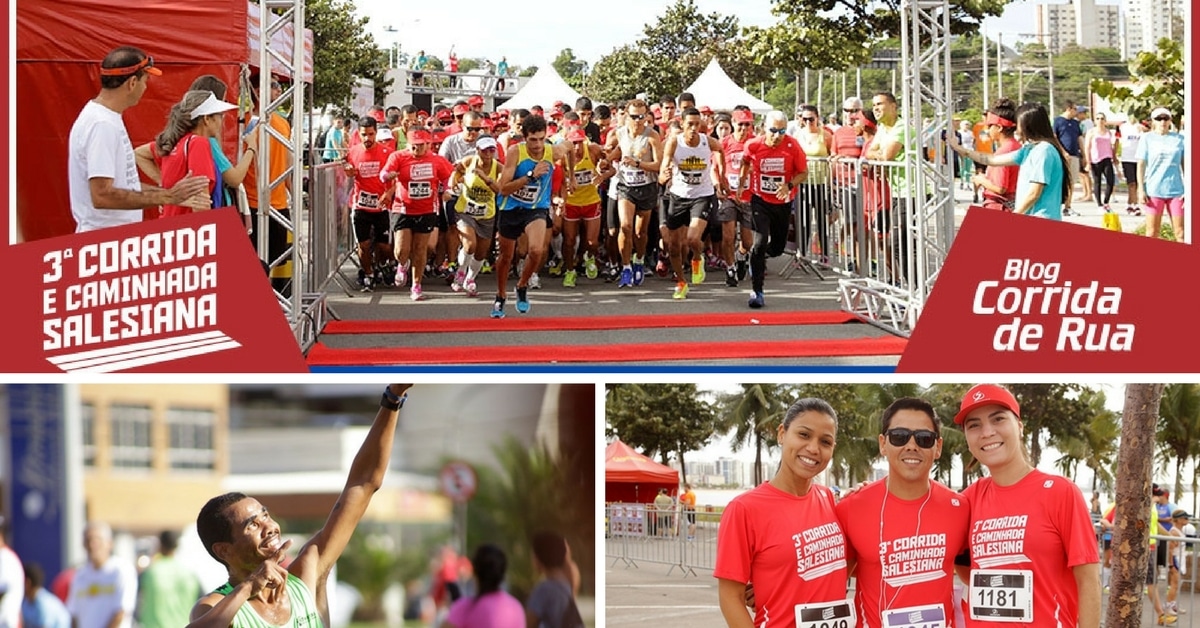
<point>458,481</point>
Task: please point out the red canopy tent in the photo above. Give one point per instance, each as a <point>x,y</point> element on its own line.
<point>634,478</point>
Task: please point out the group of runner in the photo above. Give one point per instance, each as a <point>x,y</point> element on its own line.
<point>1022,540</point>
<point>528,179</point>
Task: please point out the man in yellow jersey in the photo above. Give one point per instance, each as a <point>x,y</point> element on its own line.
<point>239,532</point>
<point>591,170</point>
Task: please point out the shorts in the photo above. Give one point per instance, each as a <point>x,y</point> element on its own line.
<point>446,215</point>
<point>1073,166</point>
<point>691,516</point>
<point>723,211</point>
<point>371,225</point>
<point>484,228</point>
<point>1129,169</point>
<point>421,223</point>
<point>643,197</point>
<point>575,213</point>
<point>1156,206</point>
<point>512,223</point>
<point>612,217</point>
<point>679,212</point>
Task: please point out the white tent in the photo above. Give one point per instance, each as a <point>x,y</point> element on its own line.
<point>543,89</point>
<point>714,88</point>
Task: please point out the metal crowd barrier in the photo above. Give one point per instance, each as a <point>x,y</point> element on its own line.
<point>640,533</point>
<point>325,246</point>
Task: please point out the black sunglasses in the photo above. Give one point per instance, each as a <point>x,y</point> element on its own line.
<point>474,129</point>
<point>636,116</point>
<point>1162,118</point>
<point>807,119</point>
<point>898,437</point>
<point>851,110</point>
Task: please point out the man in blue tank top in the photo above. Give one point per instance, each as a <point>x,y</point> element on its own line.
<point>239,532</point>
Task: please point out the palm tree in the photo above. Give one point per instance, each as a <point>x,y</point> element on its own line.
<point>752,415</point>
<point>1179,427</point>
<point>1103,434</point>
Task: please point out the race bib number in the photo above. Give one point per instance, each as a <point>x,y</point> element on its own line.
<point>420,189</point>
<point>583,177</point>
<point>931,616</point>
<point>1002,595</point>
<point>769,183</point>
<point>734,180</point>
<point>476,209</point>
<point>527,194</point>
<point>367,200</point>
<point>838,614</point>
<point>634,176</point>
<point>691,177</point>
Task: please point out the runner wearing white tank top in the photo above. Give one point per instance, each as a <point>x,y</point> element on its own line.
<point>688,167</point>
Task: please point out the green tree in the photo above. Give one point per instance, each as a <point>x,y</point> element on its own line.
<point>661,418</point>
<point>472,63</point>
<point>343,51</point>
<point>1179,427</point>
<point>1056,409</point>
<point>1158,81</point>
<point>624,72</point>
<point>372,564</point>
<point>571,69</point>
<point>753,414</point>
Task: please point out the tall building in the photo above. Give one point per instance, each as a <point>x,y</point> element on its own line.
<point>1080,22</point>
<point>1147,21</point>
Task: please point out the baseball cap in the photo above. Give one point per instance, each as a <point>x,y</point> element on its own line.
<point>1181,514</point>
<point>986,394</point>
<point>378,116</point>
<point>422,114</point>
<point>419,136</point>
<point>743,116</point>
<point>383,133</point>
<point>461,109</point>
<point>475,100</point>
<point>438,134</point>
<point>212,105</point>
<point>445,114</point>
<point>706,110</point>
<point>1160,111</point>
<point>485,143</point>
<point>576,135</point>
<point>556,114</point>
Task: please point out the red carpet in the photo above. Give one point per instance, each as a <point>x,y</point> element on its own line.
<point>321,355</point>
<point>574,323</point>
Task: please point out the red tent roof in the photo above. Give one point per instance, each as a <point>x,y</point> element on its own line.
<point>623,464</point>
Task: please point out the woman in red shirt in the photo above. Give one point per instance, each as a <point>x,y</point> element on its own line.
<point>187,149</point>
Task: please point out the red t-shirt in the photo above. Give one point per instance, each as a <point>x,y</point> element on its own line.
<point>1003,176</point>
<point>418,181</point>
<point>792,548</point>
<point>771,167</point>
<point>193,153</point>
<point>908,547</point>
<point>1039,525</point>
<point>733,151</point>
<point>367,185</point>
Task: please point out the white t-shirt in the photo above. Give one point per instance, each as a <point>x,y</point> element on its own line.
<point>99,147</point>
<point>97,594</point>
<point>1131,135</point>
<point>12,584</point>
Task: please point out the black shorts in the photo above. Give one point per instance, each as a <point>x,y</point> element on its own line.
<point>446,217</point>
<point>371,226</point>
<point>612,217</point>
<point>723,211</point>
<point>423,223</point>
<point>1129,169</point>
<point>643,197</point>
<point>512,222</point>
<point>678,212</point>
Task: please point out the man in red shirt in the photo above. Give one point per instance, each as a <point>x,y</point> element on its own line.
<point>772,166</point>
<point>369,198</point>
<point>417,173</point>
<point>734,211</point>
<point>999,183</point>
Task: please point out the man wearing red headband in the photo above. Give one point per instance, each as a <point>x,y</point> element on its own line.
<point>1000,182</point>
<point>101,168</point>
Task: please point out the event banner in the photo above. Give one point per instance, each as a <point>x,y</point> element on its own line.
<point>178,295</point>
<point>1021,294</point>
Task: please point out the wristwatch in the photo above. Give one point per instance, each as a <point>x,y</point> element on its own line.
<point>390,401</point>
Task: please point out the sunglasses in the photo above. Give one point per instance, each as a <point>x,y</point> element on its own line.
<point>637,116</point>
<point>851,110</point>
<point>808,119</point>
<point>898,437</point>
<point>474,129</point>
<point>1163,118</point>
<point>778,131</point>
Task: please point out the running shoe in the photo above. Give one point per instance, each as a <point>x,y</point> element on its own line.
<point>569,279</point>
<point>626,279</point>
<point>498,308</point>
<point>697,272</point>
<point>534,282</point>
<point>523,300</point>
<point>486,269</point>
<point>471,288</point>
<point>401,276</point>
<point>662,268</point>
<point>590,270</point>
<point>756,301</point>
<point>460,277</point>
<point>639,274</point>
<point>731,279</point>
<point>1167,620</point>
<point>556,267</point>
<point>415,294</point>
<point>366,284</point>
<point>681,290</point>
<point>740,265</point>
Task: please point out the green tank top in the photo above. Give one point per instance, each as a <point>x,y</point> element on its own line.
<point>304,608</point>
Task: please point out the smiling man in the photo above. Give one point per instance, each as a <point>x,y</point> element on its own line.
<point>239,532</point>
<point>904,559</point>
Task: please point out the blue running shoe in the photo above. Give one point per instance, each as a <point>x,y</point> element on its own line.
<point>522,300</point>
<point>498,308</point>
<point>756,301</point>
<point>626,279</point>
<point>639,274</point>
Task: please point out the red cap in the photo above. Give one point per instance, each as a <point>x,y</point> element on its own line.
<point>706,109</point>
<point>445,114</point>
<point>556,114</point>
<point>475,100</point>
<point>558,103</point>
<point>422,114</point>
<point>487,123</point>
<point>419,136</point>
<point>378,116</point>
<point>439,134</point>
<point>742,116</point>
<point>461,109</point>
<point>576,135</point>
<point>986,394</point>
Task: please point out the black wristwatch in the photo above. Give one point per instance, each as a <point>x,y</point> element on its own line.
<point>391,401</point>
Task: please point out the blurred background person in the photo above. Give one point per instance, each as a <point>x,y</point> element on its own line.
<point>491,606</point>
<point>104,589</point>
<point>40,608</point>
<point>168,589</point>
